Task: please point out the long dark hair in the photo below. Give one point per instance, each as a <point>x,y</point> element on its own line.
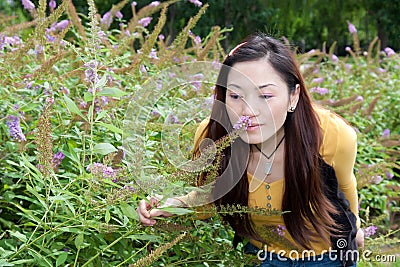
<point>304,193</point>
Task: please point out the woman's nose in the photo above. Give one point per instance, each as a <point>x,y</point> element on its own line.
<point>249,109</point>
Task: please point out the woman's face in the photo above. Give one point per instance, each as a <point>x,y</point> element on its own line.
<point>256,90</point>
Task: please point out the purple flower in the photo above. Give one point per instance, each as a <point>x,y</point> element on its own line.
<point>154,3</point>
<point>197,41</point>
<point>339,80</point>
<point>318,80</point>
<point>376,179</point>
<point>370,230</point>
<point>389,51</point>
<point>52,4</point>
<point>59,26</point>
<point>104,100</point>
<point>153,54</point>
<point>91,71</point>
<point>50,38</point>
<point>389,175</point>
<point>243,122</point>
<point>173,119</point>
<point>57,159</point>
<point>381,70</point>
<point>101,170</point>
<point>119,15</point>
<point>280,230</point>
<point>196,2</point>
<point>64,90</point>
<point>38,49</point>
<point>386,133</point>
<point>134,3</point>
<point>352,28</point>
<point>320,90</point>
<point>161,37</point>
<point>106,20</point>
<point>143,69</point>
<point>14,128</point>
<point>334,58</point>
<point>145,21</point>
<point>28,5</point>
<point>360,98</point>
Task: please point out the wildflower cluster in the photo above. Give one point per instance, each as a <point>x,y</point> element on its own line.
<point>14,128</point>
<point>102,171</point>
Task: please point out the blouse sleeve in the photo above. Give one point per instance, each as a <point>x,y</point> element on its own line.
<point>339,149</point>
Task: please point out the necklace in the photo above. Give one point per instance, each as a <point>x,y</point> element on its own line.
<point>268,165</point>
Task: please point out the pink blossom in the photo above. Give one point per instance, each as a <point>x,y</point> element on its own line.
<point>352,28</point>
<point>134,3</point>
<point>370,230</point>
<point>196,2</point>
<point>28,5</point>
<point>197,41</point>
<point>389,51</point>
<point>386,133</point>
<point>318,80</point>
<point>334,58</point>
<point>381,70</point>
<point>154,3</point>
<point>360,98</point>
<point>145,21</point>
<point>376,179</point>
<point>161,37</point>
<point>153,54</point>
<point>348,49</point>
<point>119,15</point>
<point>106,20</point>
<point>243,122</point>
<point>319,90</point>
<point>52,4</point>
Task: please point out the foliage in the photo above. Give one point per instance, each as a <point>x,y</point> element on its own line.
<point>67,193</point>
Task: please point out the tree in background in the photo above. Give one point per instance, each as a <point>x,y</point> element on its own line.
<point>307,24</point>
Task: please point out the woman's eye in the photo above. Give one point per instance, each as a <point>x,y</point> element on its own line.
<point>234,96</point>
<point>266,96</point>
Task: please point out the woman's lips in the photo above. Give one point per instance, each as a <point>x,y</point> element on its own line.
<point>253,127</point>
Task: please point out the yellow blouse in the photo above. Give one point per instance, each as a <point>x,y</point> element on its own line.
<point>339,148</point>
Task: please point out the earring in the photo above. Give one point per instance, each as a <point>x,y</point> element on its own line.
<point>292,109</point>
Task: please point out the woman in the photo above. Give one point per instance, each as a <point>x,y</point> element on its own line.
<point>293,157</point>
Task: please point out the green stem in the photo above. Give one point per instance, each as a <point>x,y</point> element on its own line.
<point>112,244</point>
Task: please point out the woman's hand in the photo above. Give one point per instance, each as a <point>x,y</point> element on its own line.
<point>147,210</point>
<point>360,238</point>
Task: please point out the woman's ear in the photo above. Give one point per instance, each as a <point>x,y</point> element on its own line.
<point>294,98</point>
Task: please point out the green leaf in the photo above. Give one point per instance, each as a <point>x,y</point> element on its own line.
<point>61,258</point>
<point>79,241</point>
<point>88,97</point>
<point>104,148</point>
<point>176,211</point>
<point>107,216</point>
<point>101,115</point>
<point>129,211</point>
<point>111,127</point>
<point>18,235</point>
<point>113,92</point>
<point>72,107</point>
<point>100,83</point>
<point>90,113</point>
<point>4,263</point>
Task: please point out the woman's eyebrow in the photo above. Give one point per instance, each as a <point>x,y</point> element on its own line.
<point>266,85</point>
<point>234,85</point>
<point>259,87</point>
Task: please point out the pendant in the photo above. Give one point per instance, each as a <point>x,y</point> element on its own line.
<point>268,167</point>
